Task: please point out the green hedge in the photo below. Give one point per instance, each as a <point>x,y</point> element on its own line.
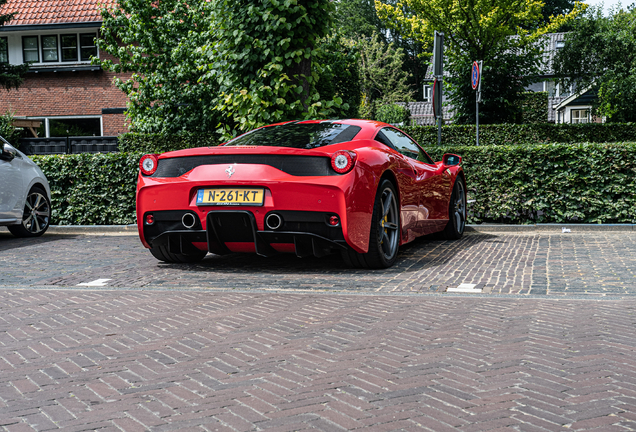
<point>559,183</point>
<point>157,143</point>
<point>553,183</point>
<point>523,134</point>
<point>91,189</point>
<point>534,108</point>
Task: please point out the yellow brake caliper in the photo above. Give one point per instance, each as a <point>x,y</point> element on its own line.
<point>385,219</point>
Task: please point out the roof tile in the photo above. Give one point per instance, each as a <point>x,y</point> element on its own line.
<point>30,12</point>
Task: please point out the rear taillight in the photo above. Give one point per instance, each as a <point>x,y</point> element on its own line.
<point>148,164</point>
<point>343,161</point>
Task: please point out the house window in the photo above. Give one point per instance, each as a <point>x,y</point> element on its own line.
<point>82,126</point>
<point>87,46</point>
<point>579,116</point>
<point>428,93</point>
<point>560,44</point>
<point>49,48</point>
<point>69,47</point>
<point>30,49</point>
<point>4,50</point>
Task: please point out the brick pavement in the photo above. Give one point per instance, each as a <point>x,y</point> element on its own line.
<point>122,360</point>
<point>159,349</point>
<point>591,264</point>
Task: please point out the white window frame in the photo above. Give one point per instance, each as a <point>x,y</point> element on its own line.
<point>46,120</point>
<point>16,46</point>
<point>428,93</point>
<point>578,118</point>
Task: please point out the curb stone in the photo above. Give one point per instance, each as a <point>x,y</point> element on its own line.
<point>573,228</point>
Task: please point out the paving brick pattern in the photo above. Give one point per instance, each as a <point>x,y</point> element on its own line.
<point>594,264</point>
<point>114,360</point>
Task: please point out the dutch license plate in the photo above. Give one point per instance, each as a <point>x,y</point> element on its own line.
<point>230,196</point>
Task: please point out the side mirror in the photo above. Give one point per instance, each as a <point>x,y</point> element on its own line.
<point>8,152</point>
<point>451,159</point>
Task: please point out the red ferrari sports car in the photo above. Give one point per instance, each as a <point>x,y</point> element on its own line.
<point>358,187</point>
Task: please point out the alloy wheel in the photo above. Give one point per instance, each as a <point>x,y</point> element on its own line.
<point>388,227</point>
<point>37,213</point>
<point>460,207</point>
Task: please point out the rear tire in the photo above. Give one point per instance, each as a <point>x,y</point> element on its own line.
<point>456,212</point>
<point>384,238</point>
<point>162,254</point>
<point>36,215</point>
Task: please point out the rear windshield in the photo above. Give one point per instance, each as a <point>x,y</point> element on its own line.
<point>298,135</point>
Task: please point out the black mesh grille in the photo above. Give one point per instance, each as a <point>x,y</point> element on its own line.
<point>292,165</point>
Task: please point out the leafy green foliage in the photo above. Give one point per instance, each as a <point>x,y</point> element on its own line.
<point>263,56</point>
<point>158,43</point>
<point>557,183</point>
<point>485,30</point>
<point>132,142</point>
<point>383,80</point>
<point>393,114</point>
<point>91,189</point>
<point>7,131</point>
<point>553,183</point>
<point>11,76</point>
<point>534,107</point>
<point>601,53</point>
<point>505,75</point>
<point>339,76</point>
<point>524,134</point>
<point>357,20</point>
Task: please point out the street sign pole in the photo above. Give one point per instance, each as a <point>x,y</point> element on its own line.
<point>475,80</point>
<point>438,73</point>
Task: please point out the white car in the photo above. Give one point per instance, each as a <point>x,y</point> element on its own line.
<point>25,195</point>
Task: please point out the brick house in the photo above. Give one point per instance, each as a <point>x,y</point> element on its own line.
<point>62,89</point>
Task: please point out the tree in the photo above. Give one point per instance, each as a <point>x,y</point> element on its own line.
<point>600,53</point>
<point>264,56</point>
<point>480,30</point>
<point>339,76</point>
<point>358,19</point>
<point>158,42</point>
<point>11,76</point>
<point>383,79</point>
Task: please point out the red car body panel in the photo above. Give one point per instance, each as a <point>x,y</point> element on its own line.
<point>424,189</point>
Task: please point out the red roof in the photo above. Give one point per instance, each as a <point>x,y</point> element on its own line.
<point>30,12</point>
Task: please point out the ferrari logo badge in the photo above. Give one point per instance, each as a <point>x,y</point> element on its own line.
<point>230,171</point>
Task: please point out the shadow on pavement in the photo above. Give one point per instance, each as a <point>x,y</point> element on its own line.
<point>8,241</point>
<point>409,259</point>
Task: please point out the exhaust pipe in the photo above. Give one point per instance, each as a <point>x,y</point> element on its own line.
<point>188,220</point>
<point>273,221</point>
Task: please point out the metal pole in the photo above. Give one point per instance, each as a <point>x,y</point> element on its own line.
<point>481,77</point>
<point>477,103</point>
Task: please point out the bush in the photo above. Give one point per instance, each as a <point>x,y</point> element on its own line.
<point>393,114</point>
<point>7,131</point>
<point>553,183</point>
<point>534,107</point>
<point>524,134</point>
<point>91,189</point>
<point>558,183</point>
<point>158,143</point>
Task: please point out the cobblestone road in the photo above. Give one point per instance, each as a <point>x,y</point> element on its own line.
<point>161,347</point>
<point>156,360</point>
<point>592,264</point>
